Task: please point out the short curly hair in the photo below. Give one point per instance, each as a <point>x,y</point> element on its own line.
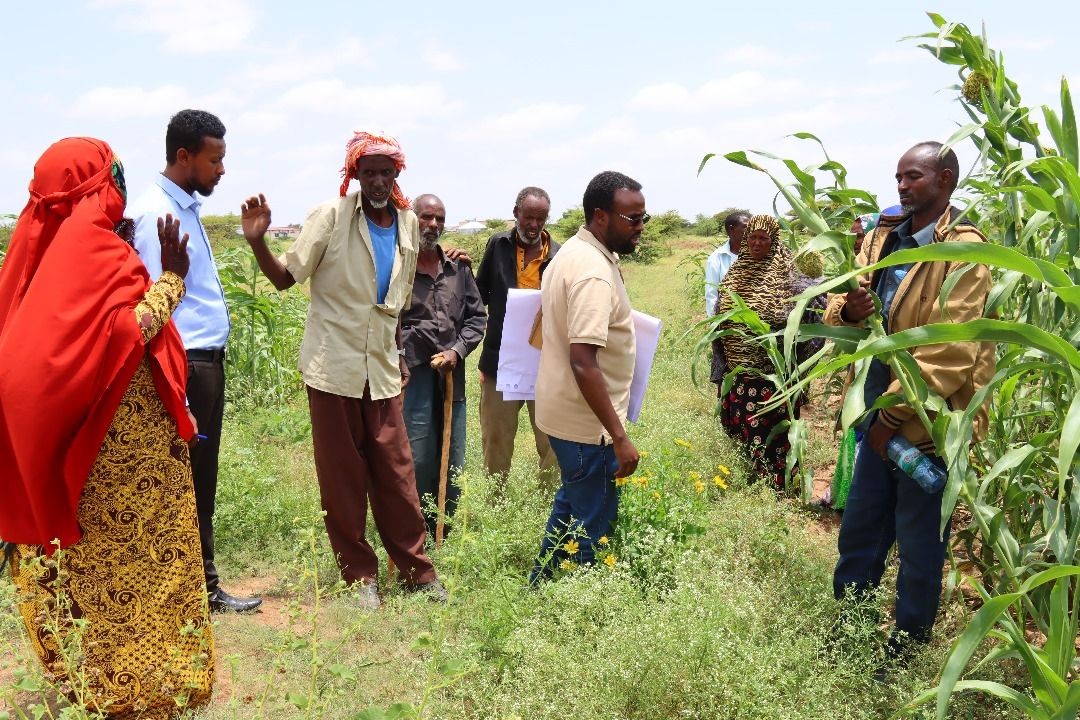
<point>600,193</point>
<point>188,129</point>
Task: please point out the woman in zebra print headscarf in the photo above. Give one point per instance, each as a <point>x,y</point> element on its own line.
<point>765,278</point>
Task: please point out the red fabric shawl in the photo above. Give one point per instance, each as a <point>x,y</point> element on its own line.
<point>69,341</point>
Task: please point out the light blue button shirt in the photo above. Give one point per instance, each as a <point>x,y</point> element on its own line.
<point>716,268</point>
<point>202,317</point>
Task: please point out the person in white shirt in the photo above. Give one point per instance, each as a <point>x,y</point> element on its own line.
<point>722,258</point>
<point>194,157</point>
<point>716,268</point>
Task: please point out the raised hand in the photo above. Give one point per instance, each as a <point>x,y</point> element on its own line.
<point>255,218</point>
<point>174,255</point>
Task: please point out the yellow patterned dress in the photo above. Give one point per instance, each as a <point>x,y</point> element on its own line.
<point>141,644</point>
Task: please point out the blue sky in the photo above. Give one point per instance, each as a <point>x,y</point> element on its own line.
<point>487,97</point>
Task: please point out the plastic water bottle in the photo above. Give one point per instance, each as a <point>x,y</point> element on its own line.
<point>916,465</point>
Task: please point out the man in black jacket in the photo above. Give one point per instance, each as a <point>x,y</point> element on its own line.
<point>513,259</point>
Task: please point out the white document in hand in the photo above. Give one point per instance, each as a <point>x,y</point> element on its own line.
<point>519,361</point>
<point>647,334</point>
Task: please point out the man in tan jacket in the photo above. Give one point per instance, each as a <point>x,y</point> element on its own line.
<point>885,505</point>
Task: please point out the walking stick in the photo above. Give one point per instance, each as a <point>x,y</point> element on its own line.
<point>444,464</point>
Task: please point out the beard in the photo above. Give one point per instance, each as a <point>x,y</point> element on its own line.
<point>378,204</point>
<point>428,242</point>
<point>627,245</point>
<point>529,241</point>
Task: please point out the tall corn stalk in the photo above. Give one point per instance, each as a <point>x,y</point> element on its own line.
<point>1019,484</point>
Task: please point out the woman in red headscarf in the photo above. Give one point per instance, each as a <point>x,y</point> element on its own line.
<point>98,509</point>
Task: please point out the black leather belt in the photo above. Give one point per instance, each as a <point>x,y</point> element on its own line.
<point>216,355</point>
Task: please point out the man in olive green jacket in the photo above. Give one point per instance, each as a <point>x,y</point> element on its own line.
<point>885,505</point>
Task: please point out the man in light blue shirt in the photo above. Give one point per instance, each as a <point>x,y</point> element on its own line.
<point>194,154</point>
<point>722,258</point>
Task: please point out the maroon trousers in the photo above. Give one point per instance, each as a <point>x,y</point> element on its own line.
<point>361,452</point>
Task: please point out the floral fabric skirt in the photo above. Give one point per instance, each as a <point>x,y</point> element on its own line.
<point>135,578</point>
<point>742,418</point>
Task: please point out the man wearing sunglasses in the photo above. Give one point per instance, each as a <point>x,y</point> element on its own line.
<point>586,365</point>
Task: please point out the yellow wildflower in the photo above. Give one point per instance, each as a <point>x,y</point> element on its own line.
<point>641,481</point>
<point>620,481</point>
<point>566,565</point>
<point>684,443</point>
<point>610,560</point>
<point>719,482</point>
<point>723,468</point>
<point>571,547</point>
<point>699,487</point>
<point>655,495</point>
<point>644,454</point>
<point>695,475</point>
<point>603,539</point>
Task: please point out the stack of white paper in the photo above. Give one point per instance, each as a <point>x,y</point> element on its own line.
<point>519,361</point>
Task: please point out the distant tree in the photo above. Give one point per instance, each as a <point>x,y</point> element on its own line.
<point>568,224</point>
<point>705,225</point>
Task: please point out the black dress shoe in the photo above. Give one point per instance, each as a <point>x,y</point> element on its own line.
<point>221,601</point>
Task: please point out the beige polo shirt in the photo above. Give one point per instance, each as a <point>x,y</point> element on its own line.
<point>350,339</point>
<point>584,300</point>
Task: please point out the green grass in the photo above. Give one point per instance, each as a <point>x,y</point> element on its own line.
<point>734,623</point>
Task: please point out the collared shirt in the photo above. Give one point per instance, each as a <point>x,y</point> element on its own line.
<point>203,317</point>
<point>716,267</point>
<point>584,301</point>
<point>879,376</point>
<point>350,337</point>
<point>446,313</point>
<point>528,274</point>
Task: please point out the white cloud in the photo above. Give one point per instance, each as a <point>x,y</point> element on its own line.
<point>618,132</point>
<point>130,101</point>
<point>757,55</point>
<point>396,107</point>
<point>297,61</point>
<point>223,26</point>
<point>440,59</point>
<point>523,122</point>
<point>1022,43</point>
<point>742,89</point>
<point>259,122</point>
<point>896,55</point>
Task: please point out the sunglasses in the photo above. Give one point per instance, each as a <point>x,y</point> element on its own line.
<point>636,219</point>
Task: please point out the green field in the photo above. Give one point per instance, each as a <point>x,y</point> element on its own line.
<point>735,622</point>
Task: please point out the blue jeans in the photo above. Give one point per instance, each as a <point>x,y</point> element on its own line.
<point>586,500</point>
<point>885,506</point>
<point>423,411</point>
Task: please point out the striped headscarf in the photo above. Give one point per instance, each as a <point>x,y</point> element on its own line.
<point>377,143</point>
<point>765,285</point>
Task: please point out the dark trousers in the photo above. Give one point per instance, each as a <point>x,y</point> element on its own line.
<point>206,398</point>
<point>885,506</point>
<point>587,500</point>
<point>362,453</point>
<point>423,410</point>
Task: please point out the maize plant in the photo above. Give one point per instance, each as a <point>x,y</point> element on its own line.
<point>1020,484</point>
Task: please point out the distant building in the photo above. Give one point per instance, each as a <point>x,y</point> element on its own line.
<point>283,232</point>
<point>471,227</point>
